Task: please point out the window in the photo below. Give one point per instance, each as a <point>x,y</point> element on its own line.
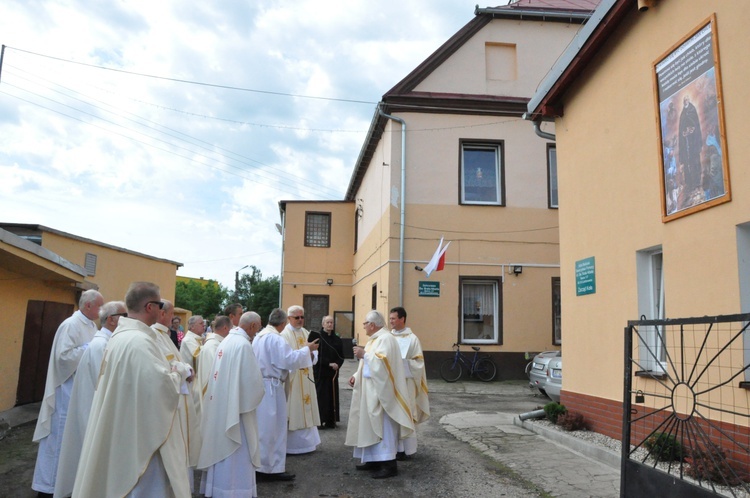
<point>374,297</point>
<point>556,312</point>
<point>743,260</point>
<point>480,311</point>
<point>650,275</point>
<point>90,264</point>
<point>318,229</point>
<point>552,176</point>
<point>482,174</point>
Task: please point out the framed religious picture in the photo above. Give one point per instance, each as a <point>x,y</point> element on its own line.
<point>687,82</point>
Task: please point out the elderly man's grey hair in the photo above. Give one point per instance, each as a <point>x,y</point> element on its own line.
<point>375,318</point>
<point>193,320</point>
<point>88,296</point>
<point>277,317</point>
<point>109,309</point>
<point>249,317</point>
<point>294,308</point>
<point>167,305</point>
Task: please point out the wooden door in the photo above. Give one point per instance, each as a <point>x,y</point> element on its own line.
<point>42,320</point>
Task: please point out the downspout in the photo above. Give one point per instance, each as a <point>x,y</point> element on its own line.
<point>403,204</point>
<point>540,133</point>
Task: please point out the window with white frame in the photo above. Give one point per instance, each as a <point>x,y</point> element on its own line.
<point>552,176</point>
<point>481,311</point>
<point>482,174</point>
<point>650,275</point>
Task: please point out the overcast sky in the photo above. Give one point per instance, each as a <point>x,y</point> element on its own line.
<point>99,139</point>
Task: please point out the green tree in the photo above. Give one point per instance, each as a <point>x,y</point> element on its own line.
<point>205,299</point>
<point>256,293</point>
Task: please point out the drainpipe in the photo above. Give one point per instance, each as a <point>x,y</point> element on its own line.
<point>403,204</point>
<point>537,127</point>
<point>543,134</point>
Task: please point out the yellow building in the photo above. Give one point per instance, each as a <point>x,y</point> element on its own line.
<point>449,155</point>
<point>42,273</point>
<point>652,181</point>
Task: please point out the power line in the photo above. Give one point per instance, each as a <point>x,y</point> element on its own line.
<point>190,159</point>
<point>291,176</point>
<point>192,82</point>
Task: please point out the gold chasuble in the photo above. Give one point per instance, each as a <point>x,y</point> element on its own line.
<point>302,399</point>
<point>134,416</point>
<point>383,391</point>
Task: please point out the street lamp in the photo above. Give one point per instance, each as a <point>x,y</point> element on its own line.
<point>237,280</point>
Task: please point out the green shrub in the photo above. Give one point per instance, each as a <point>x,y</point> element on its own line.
<point>554,410</point>
<point>571,421</point>
<point>664,447</point>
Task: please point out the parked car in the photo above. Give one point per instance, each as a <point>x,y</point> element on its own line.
<point>537,370</point>
<point>554,379</point>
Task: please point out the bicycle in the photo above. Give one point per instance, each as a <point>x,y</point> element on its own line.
<point>483,367</point>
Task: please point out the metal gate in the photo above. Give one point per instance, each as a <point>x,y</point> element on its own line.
<point>686,408</point>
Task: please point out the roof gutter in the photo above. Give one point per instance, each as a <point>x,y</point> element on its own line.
<point>569,15</point>
<point>403,204</point>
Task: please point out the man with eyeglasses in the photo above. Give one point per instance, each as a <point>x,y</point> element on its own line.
<point>276,360</point>
<point>82,395</point>
<point>71,341</point>
<point>133,442</point>
<point>301,396</point>
<point>379,413</point>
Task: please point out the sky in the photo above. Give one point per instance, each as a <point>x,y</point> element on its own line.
<point>174,128</point>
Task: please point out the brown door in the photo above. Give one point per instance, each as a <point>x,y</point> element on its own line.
<point>316,307</point>
<point>42,320</point>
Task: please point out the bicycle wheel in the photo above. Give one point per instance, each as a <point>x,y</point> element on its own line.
<point>450,370</point>
<point>485,369</point>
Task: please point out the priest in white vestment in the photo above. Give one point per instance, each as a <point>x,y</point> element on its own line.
<point>301,396</point>
<point>70,342</point>
<point>230,452</point>
<point>416,377</point>
<point>190,350</point>
<point>189,422</point>
<point>379,413</point>
<point>222,325</point>
<point>276,358</point>
<point>81,397</point>
<point>133,445</point>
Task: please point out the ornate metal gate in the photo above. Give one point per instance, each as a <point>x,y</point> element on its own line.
<point>686,408</point>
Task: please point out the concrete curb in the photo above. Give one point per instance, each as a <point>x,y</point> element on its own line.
<point>573,443</point>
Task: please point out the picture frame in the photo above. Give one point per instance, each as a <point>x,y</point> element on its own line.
<point>690,120</point>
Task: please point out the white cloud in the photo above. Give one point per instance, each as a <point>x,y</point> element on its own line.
<point>194,173</point>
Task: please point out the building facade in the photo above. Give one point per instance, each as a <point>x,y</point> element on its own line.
<point>448,155</point>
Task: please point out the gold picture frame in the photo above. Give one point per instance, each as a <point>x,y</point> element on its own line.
<point>690,119</point>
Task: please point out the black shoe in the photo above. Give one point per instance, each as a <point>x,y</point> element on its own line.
<point>279,476</point>
<point>402,456</point>
<point>387,469</point>
<point>329,425</point>
<point>369,466</point>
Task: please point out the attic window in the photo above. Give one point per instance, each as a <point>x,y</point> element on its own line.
<point>501,61</point>
<point>90,264</point>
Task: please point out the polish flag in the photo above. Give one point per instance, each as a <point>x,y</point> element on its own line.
<point>437,262</point>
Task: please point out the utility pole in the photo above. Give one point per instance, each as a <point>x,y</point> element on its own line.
<point>237,281</point>
<point>2,56</point>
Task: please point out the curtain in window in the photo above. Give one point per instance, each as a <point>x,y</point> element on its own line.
<point>479,299</point>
